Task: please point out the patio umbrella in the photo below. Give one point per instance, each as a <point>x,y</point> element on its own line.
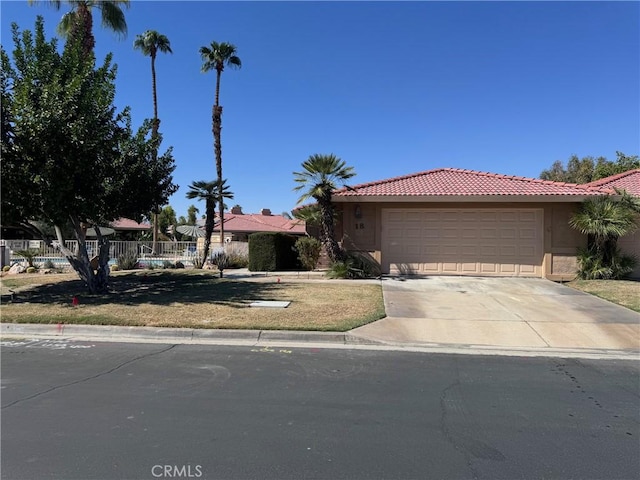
<point>191,231</point>
<point>91,232</point>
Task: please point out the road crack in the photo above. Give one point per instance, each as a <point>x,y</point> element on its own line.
<point>86,379</point>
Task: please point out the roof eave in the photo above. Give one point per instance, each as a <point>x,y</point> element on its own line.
<point>460,198</point>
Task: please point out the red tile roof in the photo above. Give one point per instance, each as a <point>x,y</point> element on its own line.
<point>128,224</point>
<point>629,181</point>
<point>256,222</point>
<point>458,182</point>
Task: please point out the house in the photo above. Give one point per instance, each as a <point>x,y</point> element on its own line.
<point>630,182</point>
<point>238,225</point>
<point>129,229</point>
<point>462,222</point>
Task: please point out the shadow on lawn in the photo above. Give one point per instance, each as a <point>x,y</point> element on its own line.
<point>161,288</point>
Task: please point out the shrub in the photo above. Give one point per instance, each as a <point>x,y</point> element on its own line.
<point>114,268</point>
<point>6,268</point>
<point>31,270</point>
<point>198,261</point>
<point>272,251</point>
<point>238,255</point>
<point>357,265</point>
<point>49,264</point>
<point>308,249</point>
<point>167,264</point>
<point>128,260</point>
<point>592,266</point>
<point>179,264</point>
<point>29,255</point>
<point>221,260</point>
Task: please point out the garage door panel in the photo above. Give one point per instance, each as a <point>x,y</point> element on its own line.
<point>463,241</point>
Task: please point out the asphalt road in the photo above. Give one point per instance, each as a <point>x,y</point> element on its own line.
<point>145,411</point>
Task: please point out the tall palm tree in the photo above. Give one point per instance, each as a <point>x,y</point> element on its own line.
<point>215,57</point>
<point>321,175</point>
<point>210,193</point>
<point>150,43</point>
<point>78,22</point>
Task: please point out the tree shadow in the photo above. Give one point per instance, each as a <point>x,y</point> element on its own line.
<point>156,288</point>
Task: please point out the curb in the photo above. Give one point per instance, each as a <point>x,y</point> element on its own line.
<point>267,338</point>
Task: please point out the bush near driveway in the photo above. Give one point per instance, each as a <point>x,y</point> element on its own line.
<point>195,299</point>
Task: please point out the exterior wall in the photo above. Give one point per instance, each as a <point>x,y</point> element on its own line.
<point>363,232</point>
<point>630,244</point>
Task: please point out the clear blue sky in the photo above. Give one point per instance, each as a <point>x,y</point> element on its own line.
<point>391,88</point>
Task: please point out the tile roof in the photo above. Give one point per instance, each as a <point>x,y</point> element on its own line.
<point>459,182</point>
<point>629,181</point>
<point>256,222</point>
<point>128,224</point>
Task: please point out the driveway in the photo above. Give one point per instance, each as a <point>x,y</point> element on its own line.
<point>500,312</point>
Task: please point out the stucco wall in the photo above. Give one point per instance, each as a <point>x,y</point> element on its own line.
<point>359,228</point>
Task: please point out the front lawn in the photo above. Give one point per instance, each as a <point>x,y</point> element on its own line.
<point>194,299</point>
<point>622,292</point>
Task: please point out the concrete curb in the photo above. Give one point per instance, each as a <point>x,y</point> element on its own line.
<point>271,338</point>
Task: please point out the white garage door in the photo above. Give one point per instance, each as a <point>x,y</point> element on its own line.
<point>499,242</point>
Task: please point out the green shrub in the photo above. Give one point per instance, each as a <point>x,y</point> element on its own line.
<point>29,255</point>
<point>309,250</point>
<point>272,251</point>
<point>6,268</point>
<point>128,260</point>
<point>167,264</point>
<point>31,270</point>
<point>357,265</point>
<point>179,264</point>
<point>592,266</point>
<point>49,264</point>
<point>198,261</point>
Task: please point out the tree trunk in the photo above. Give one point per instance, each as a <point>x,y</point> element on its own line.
<point>335,253</point>
<point>97,281</point>
<point>208,227</point>
<point>83,28</point>
<point>154,134</point>
<point>217,131</point>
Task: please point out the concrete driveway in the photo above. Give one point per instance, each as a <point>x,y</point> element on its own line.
<point>527,313</point>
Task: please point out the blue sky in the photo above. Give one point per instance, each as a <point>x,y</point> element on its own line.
<point>392,88</point>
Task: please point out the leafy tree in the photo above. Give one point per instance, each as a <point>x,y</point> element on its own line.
<point>78,158</point>
<point>77,24</point>
<point>166,217</point>
<point>309,250</point>
<point>589,169</point>
<point>320,176</point>
<point>216,57</point>
<point>210,193</point>
<point>150,43</point>
<point>605,219</point>
<point>192,213</point>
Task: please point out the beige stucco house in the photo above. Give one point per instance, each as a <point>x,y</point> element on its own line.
<point>461,222</point>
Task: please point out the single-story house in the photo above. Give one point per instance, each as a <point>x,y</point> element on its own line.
<point>462,222</point>
<point>630,182</point>
<point>238,225</point>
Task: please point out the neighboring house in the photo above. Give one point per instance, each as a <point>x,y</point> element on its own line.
<point>461,222</point>
<point>238,226</point>
<point>630,182</point>
<point>127,228</point>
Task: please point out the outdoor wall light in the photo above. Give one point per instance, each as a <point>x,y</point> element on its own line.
<point>358,212</point>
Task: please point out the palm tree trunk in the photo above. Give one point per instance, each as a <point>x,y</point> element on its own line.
<point>154,135</point>
<point>208,228</point>
<point>84,28</point>
<point>335,253</point>
<point>217,131</point>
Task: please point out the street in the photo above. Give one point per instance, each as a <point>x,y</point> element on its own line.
<point>80,410</point>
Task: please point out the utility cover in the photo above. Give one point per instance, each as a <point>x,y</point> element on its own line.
<point>269,304</point>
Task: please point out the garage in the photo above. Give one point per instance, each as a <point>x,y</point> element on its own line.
<point>465,241</point>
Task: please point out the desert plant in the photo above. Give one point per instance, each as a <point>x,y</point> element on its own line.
<point>221,260</point>
<point>309,250</point>
<point>6,268</point>
<point>114,268</point>
<point>29,255</point>
<point>179,264</point>
<point>31,270</point>
<point>167,264</point>
<point>594,267</point>
<point>356,265</point>
<point>198,261</point>
<point>49,264</point>
<point>128,260</point>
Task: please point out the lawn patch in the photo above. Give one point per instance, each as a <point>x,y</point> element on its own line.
<point>621,292</point>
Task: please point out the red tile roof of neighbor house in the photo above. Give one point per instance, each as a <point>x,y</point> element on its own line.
<point>629,181</point>
<point>256,222</point>
<point>128,224</point>
<point>458,182</point>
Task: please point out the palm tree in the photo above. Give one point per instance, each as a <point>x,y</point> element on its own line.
<point>150,43</point>
<point>216,57</point>
<point>78,22</point>
<point>209,192</point>
<point>321,175</point>
<point>605,219</point>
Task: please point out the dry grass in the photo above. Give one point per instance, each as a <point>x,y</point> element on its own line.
<point>194,299</point>
<point>622,292</point>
